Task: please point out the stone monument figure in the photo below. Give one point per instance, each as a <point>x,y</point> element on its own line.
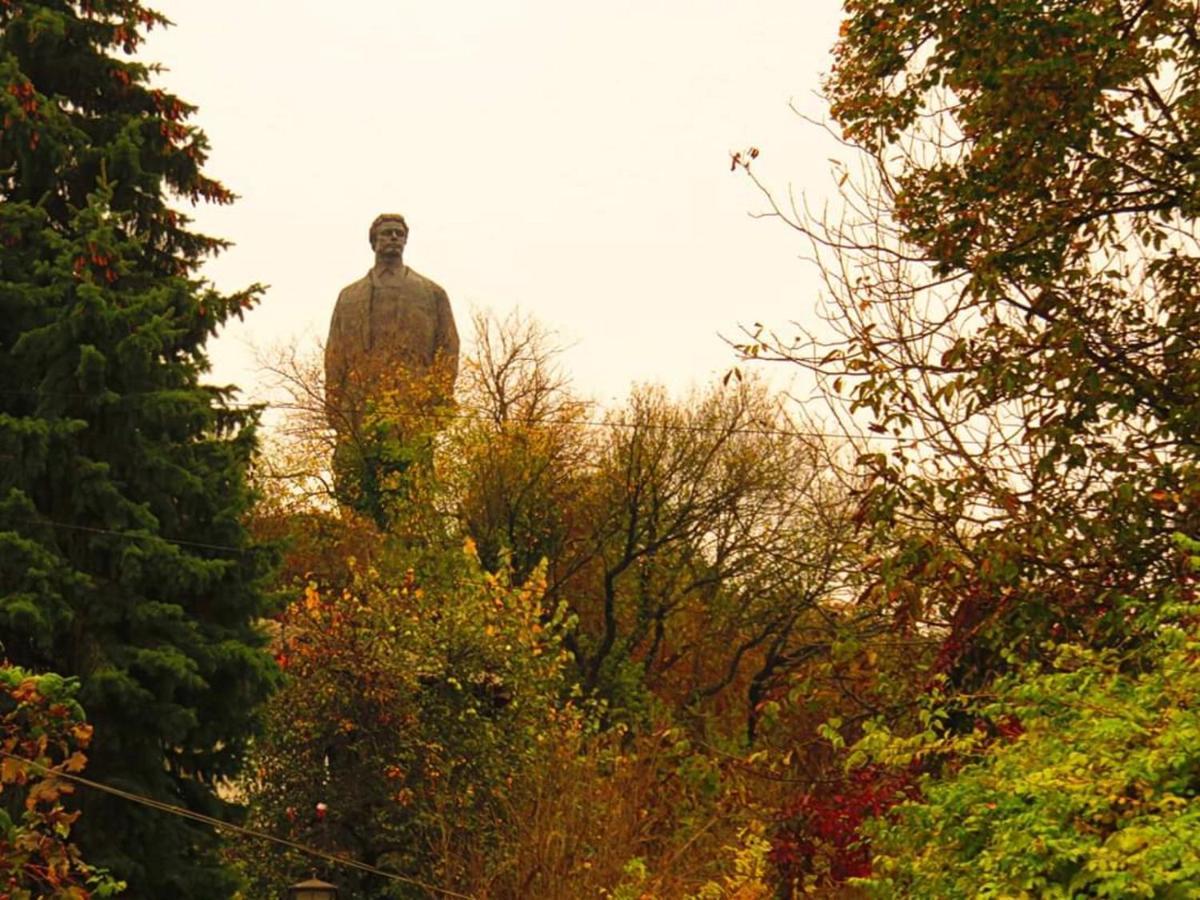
<point>391,323</point>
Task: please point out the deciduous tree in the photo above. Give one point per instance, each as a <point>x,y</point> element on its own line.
<point>1012,300</point>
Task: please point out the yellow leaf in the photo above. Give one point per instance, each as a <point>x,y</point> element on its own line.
<point>75,762</point>
<point>12,771</point>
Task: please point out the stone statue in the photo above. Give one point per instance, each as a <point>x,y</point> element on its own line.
<point>391,323</point>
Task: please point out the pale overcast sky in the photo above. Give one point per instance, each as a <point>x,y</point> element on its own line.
<point>567,158</point>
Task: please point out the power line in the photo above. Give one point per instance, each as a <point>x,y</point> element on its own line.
<point>227,548</point>
<point>133,536</point>
<point>761,431</point>
<point>240,830</point>
<point>677,427</point>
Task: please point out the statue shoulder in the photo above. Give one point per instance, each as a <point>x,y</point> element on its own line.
<point>355,289</point>
<point>427,284</point>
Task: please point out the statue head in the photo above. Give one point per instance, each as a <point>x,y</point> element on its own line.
<point>389,234</point>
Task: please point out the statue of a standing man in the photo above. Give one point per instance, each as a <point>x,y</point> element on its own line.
<point>391,322</point>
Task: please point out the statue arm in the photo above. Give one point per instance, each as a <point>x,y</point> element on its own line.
<point>336,363</point>
<point>446,339</point>
<point>333,348</point>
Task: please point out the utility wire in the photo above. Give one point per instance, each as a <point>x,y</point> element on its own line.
<point>129,535</point>
<point>240,830</point>
<point>762,431</point>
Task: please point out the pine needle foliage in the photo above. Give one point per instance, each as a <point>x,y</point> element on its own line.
<point>123,560</point>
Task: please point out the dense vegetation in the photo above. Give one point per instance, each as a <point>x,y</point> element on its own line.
<point>680,647</point>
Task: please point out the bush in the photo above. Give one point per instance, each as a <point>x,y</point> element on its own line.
<point>43,735</point>
<point>1080,779</point>
<point>414,705</point>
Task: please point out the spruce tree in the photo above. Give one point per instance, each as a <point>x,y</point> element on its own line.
<point>123,558</point>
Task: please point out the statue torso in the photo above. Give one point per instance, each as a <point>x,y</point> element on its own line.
<point>385,325</point>
<point>391,317</point>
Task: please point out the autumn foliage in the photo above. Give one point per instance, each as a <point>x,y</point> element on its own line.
<point>43,738</point>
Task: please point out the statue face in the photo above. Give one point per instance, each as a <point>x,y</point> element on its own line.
<point>390,239</point>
